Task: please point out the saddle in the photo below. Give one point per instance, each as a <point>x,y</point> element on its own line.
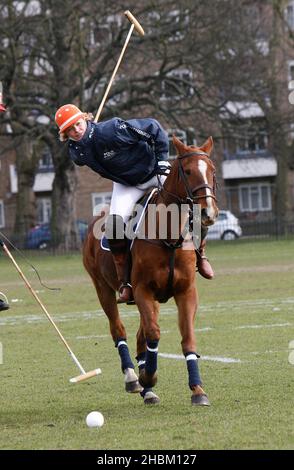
<point>137,217</point>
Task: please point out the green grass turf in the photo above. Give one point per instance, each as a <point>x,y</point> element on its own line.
<point>246,314</point>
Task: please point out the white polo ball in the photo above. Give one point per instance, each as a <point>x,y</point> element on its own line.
<point>95,419</point>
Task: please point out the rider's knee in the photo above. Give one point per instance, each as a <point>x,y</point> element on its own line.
<point>114,227</point>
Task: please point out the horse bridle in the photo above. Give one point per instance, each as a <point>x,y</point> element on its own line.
<point>192,196</point>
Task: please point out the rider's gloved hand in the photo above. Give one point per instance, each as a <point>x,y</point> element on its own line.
<point>163,167</point>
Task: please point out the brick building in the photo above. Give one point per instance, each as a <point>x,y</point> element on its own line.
<point>247,164</point>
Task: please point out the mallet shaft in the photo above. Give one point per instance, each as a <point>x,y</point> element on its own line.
<point>35,295</point>
<point>114,73</point>
<point>42,307</point>
<point>135,25</point>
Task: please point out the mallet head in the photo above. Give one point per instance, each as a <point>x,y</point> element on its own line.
<point>86,376</point>
<point>135,22</point>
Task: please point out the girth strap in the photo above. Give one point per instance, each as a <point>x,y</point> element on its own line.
<point>169,286</point>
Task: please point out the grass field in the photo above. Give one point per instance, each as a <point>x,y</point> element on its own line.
<point>244,325</point>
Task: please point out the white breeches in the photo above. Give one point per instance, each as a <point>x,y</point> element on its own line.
<point>124,197</point>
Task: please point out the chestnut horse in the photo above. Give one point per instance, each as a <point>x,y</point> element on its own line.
<point>161,269</point>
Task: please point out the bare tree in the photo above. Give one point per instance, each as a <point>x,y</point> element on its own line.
<point>16,53</point>
<point>196,56</point>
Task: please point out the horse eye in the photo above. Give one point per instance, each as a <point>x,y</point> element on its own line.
<point>188,172</point>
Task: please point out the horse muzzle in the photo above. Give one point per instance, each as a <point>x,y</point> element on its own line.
<point>208,216</point>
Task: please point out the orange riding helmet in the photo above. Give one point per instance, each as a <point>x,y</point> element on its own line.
<point>66,116</point>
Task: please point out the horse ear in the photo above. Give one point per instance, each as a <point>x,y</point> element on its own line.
<point>180,147</point>
<point>207,146</point>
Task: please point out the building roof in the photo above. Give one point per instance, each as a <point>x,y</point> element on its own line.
<point>43,181</point>
<point>243,109</point>
<point>249,168</point>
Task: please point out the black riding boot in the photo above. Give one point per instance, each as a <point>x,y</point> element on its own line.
<point>119,248</point>
<point>3,305</point>
<point>203,265</point>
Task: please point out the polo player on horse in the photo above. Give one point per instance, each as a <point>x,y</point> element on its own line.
<point>133,154</point>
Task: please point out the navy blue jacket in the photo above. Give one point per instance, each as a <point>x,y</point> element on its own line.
<point>123,151</point>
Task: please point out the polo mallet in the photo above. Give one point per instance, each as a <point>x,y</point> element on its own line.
<point>135,24</point>
<point>84,375</point>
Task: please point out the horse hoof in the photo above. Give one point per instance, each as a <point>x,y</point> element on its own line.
<point>133,387</point>
<point>146,380</point>
<point>151,399</point>
<point>200,400</point>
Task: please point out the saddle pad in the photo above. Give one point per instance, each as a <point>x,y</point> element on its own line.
<point>143,202</point>
<point>104,243</point>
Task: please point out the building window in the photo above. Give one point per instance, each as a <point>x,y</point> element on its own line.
<point>2,220</point>
<point>289,14</point>
<point>46,162</point>
<point>44,210</point>
<point>178,23</point>
<point>255,197</point>
<point>99,200</point>
<point>291,74</point>
<point>254,141</point>
<point>182,135</point>
<point>104,33</point>
<point>177,84</point>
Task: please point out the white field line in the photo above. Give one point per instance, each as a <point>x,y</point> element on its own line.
<point>93,337</point>
<point>227,360</point>
<point>162,332</point>
<point>274,325</point>
<point>33,319</point>
<point>166,310</point>
<point>206,328</point>
<point>269,351</point>
<point>73,316</point>
<point>236,306</point>
<point>92,315</point>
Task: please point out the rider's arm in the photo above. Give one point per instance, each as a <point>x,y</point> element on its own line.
<point>149,130</point>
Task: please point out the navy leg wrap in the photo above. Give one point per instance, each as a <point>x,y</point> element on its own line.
<point>123,350</point>
<point>141,358</point>
<point>151,357</point>
<point>193,369</point>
